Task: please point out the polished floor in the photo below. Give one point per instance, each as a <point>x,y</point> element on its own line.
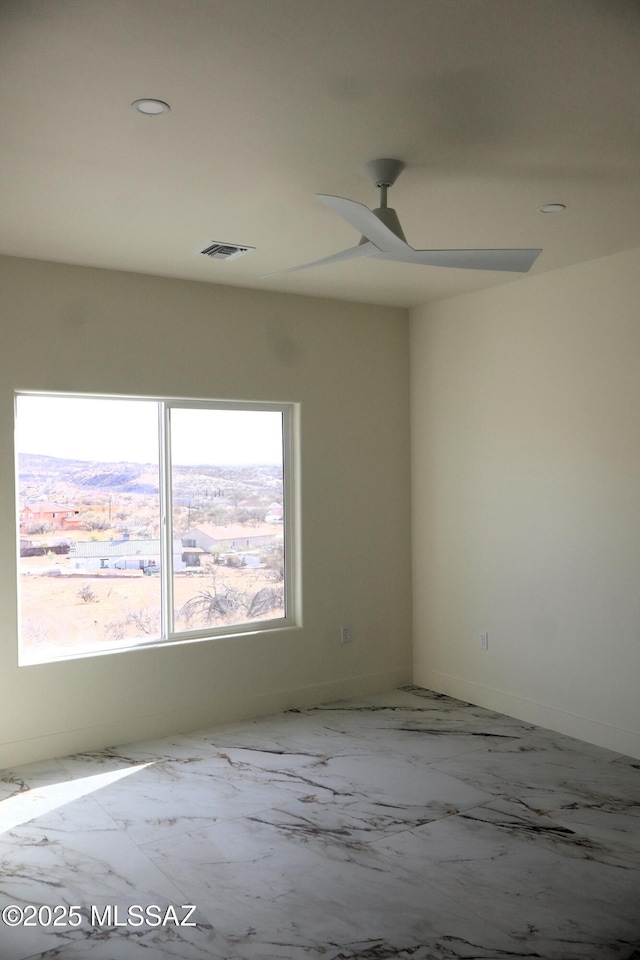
<point>405,825</point>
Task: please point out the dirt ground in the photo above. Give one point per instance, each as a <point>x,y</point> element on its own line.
<point>120,606</point>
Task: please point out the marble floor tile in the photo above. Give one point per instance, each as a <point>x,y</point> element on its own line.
<point>425,728</point>
<point>171,797</point>
<point>30,776</point>
<point>277,894</point>
<point>404,825</point>
<point>529,876</point>
<point>168,943</point>
<point>580,786</point>
<point>73,856</point>
<point>296,733</point>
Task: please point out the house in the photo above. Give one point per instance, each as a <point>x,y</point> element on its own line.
<point>121,555</point>
<point>57,516</point>
<point>252,503</point>
<point>232,538</point>
<point>467,443</point>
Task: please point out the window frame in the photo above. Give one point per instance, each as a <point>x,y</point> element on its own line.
<point>169,635</point>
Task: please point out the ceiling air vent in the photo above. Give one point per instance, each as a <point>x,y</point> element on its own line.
<point>224,251</point>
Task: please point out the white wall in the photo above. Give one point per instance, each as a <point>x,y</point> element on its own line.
<point>75,329</point>
<point>526,507</point>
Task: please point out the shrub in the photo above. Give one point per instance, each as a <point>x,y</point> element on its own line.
<point>86,594</point>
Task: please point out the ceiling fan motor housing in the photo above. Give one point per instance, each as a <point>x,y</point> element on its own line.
<point>389,217</point>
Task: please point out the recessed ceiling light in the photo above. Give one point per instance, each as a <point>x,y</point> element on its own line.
<point>552,208</point>
<point>151,108</point>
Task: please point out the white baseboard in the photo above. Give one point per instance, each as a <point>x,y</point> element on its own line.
<point>64,743</point>
<point>541,714</point>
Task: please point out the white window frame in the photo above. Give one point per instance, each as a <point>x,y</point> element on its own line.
<point>168,633</point>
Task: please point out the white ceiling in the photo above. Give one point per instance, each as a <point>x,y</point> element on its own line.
<point>496,106</point>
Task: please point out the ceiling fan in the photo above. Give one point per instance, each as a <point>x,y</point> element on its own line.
<point>383,238</point>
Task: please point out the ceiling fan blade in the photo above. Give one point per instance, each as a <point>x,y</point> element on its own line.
<point>360,250</point>
<point>517,261</point>
<point>365,221</point>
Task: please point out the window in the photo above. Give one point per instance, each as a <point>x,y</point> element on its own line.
<point>153,499</point>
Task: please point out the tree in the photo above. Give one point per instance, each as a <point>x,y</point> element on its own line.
<point>273,559</point>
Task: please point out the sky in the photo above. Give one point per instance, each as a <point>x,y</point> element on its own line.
<point>114,430</point>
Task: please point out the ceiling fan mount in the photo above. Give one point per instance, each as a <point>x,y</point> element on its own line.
<point>384,173</point>
<point>382,237</point>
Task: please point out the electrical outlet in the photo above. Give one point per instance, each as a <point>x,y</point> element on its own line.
<point>484,641</point>
<point>345,633</point>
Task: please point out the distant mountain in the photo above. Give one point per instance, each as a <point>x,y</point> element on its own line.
<point>121,477</point>
<point>38,473</point>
